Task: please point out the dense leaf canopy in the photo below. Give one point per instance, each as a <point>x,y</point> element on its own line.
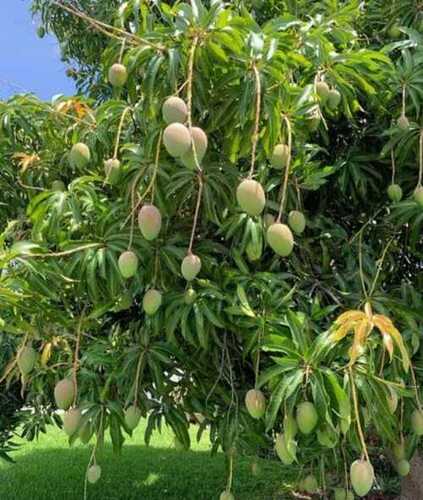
<point>252,77</point>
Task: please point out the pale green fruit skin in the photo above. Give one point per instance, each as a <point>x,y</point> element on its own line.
<point>280,239</point>
<point>150,222</point>
<point>190,296</point>
<point>93,474</point>
<point>85,432</point>
<point>281,450</point>
<point>199,138</point>
<point>71,421</point>
<point>255,403</point>
<point>403,122</point>
<point>395,192</point>
<point>280,156</point>
<point>64,393</point>
<point>174,110</point>
<point>118,75</point>
<point>392,400</point>
<point>112,170</point>
<point>191,266</point>
<point>326,437</point>
<point>251,198</point>
<point>58,186</point>
<point>26,360</point>
<point>226,495</point>
<point>132,417</point>
<point>403,468</point>
<point>418,195</point>
<point>322,90</point>
<point>307,417</point>
<point>128,264</point>
<point>151,302</point>
<point>80,155</point>
<point>334,99</point>
<point>362,477</point>
<point>296,221</point>
<point>310,484</point>
<point>342,494</point>
<point>417,422</point>
<point>177,139</point>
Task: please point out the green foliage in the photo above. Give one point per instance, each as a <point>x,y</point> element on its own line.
<point>253,319</point>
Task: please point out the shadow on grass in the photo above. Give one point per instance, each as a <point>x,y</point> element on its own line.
<point>139,473</point>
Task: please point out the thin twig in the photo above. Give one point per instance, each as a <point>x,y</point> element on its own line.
<point>357,415</point>
<point>255,136</point>
<point>197,211</point>
<point>360,264</point>
<point>76,357</point>
<point>106,28</point>
<point>287,168</point>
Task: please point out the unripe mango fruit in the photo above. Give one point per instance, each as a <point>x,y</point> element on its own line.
<point>418,195</point>
<point>403,122</point>
<point>93,474</point>
<point>118,75</point>
<point>132,417</point>
<point>255,403</point>
<point>362,477</point>
<point>306,417</point>
<point>85,432</point>
<point>152,301</point>
<point>112,170</point>
<point>395,192</point>
<point>310,484</point>
<point>177,139</point>
<point>174,110</point>
<point>417,422</point>
<point>200,141</point>
<point>280,239</point>
<point>128,264</point>
<point>322,89</point>
<point>280,156</point>
<point>334,99</point>
<point>191,266</point>
<point>150,222</point>
<point>342,494</point>
<point>250,196</point>
<point>64,393</point>
<point>296,221</point>
<point>71,421</point>
<point>403,468</point>
<point>80,155</point>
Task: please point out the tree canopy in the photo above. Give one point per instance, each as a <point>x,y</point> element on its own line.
<point>280,113</point>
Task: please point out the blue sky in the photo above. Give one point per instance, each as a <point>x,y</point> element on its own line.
<point>28,63</point>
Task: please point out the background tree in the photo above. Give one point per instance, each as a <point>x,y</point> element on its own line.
<point>309,109</point>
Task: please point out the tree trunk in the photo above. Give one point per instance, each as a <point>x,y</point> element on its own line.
<point>412,485</point>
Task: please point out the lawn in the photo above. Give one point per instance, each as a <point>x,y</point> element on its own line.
<point>50,470</point>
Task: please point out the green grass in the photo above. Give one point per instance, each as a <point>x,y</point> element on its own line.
<point>49,470</point>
